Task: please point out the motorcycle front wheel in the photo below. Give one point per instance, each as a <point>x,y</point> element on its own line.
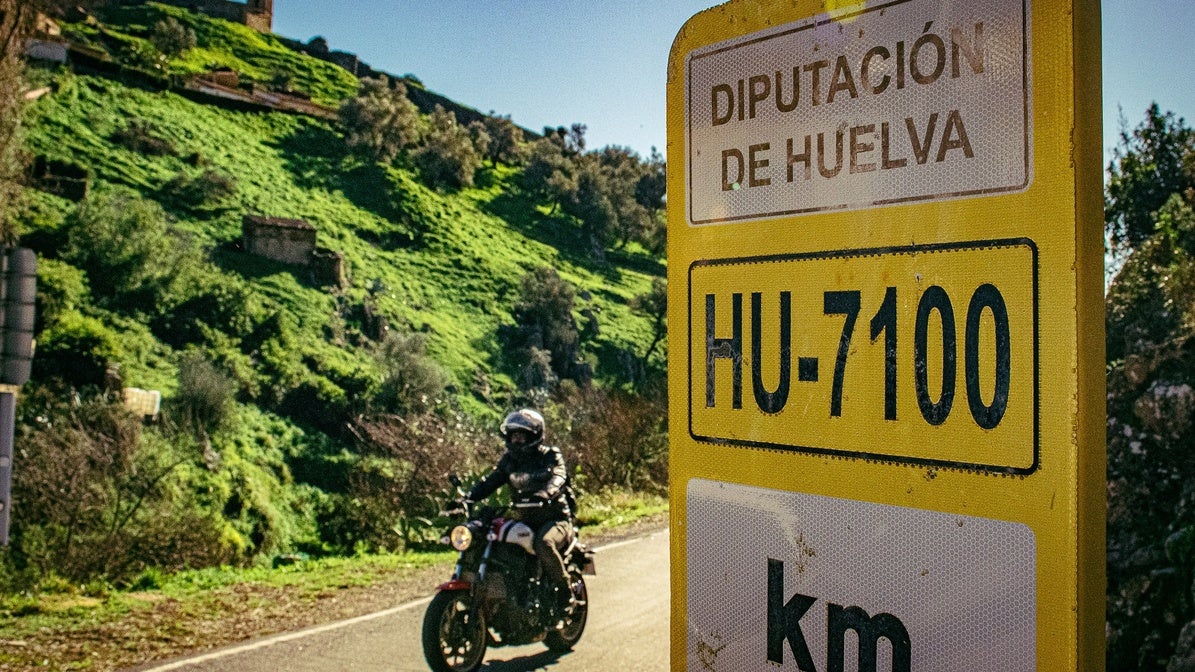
<point>454,633</point>
<point>567,637</point>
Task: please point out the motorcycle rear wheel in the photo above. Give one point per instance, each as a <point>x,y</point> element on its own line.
<point>567,637</point>
<point>454,633</point>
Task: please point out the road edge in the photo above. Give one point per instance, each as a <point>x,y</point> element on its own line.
<point>642,530</point>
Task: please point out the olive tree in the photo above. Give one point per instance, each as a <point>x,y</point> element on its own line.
<point>380,123</point>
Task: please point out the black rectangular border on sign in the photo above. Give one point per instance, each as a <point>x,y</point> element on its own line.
<point>882,457</point>
<point>847,207</point>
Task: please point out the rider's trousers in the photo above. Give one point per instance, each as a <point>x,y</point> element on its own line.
<point>552,538</point>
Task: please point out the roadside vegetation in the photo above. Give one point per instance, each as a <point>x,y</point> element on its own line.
<point>308,421</point>
<point>95,626</point>
<point>1151,397</point>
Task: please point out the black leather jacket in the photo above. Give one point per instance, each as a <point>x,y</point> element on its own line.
<point>543,474</point>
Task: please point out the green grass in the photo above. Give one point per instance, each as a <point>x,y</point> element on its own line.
<point>219,44</point>
<point>456,283</point>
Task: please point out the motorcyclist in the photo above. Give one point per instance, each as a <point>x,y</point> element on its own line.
<point>536,473</point>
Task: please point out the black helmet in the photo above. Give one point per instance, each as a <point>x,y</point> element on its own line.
<point>523,420</point>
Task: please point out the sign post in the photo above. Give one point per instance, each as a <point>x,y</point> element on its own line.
<point>887,355</point>
<point>18,295</point>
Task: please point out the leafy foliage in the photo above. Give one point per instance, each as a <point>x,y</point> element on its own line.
<point>413,382</point>
<point>550,174</point>
<point>142,136</point>
<point>400,484</point>
<point>1152,163</point>
<point>654,305</point>
<point>126,247</point>
<point>506,140</point>
<point>203,403</point>
<point>209,188</point>
<point>545,328</point>
<point>171,37</point>
<point>1151,403</point>
<point>612,193</point>
<point>613,439</point>
<point>98,495</point>
<point>449,154</point>
<point>380,122</point>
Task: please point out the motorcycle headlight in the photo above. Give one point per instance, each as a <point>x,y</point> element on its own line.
<point>460,537</point>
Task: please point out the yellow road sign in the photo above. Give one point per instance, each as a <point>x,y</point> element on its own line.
<point>886,375</point>
<point>903,353</point>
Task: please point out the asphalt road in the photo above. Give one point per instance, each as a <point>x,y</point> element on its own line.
<point>628,630</point>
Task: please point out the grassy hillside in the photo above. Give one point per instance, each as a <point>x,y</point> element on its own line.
<point>124,32</point>
<point>271,377</point>
<point>443,264</point>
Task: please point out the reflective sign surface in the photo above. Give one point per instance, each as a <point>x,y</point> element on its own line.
<point>839,584</point>
<point>884,103</point>
<point>859,352</point>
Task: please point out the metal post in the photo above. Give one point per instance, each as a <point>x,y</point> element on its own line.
<point>8,406</point>
<point>18,295</point>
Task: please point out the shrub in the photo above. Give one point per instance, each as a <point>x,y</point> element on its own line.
<point>76,350</point>
<point>315,401</point>
<point>282,79</point>
<point>203,301</point>
<point>60,288</point>
<point>143,136</point>
<point>544,322</point>
<point>209,188</point>
<point>400,482</point>
<point>550,172</point>
<point>449,155</point>
<point>1150,473</point>
<point>171,37</point>
<point>204,398</point>
<point>413,382</point>
<point>130,252</point>
<point>100,497</point>
<point>506,140</point>
<point>613,438</point>
<point>380,122</point>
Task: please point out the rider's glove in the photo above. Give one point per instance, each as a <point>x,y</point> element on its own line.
<point>539,497</point>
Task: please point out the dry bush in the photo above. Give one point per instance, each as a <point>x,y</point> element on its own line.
<point>401,481</point>
<point>95,495</point>
<point>612,438</point>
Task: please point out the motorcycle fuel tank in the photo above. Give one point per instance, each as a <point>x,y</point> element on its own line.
<point>515,532</point>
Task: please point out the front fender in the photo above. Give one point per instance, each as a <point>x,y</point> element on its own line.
<point>455,584</point>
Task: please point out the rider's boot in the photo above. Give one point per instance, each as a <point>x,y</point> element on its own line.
<point>562,605</point>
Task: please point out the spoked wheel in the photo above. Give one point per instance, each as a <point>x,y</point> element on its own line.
<point>454,634</point>
<point>565,638</point>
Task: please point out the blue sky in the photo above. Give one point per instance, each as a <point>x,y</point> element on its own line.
<point>556,62</point>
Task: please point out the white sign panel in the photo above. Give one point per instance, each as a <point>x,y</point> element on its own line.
<point>791,581</point>
<point>911,100</point>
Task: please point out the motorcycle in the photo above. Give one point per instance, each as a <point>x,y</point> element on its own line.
<point>496,596</point>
